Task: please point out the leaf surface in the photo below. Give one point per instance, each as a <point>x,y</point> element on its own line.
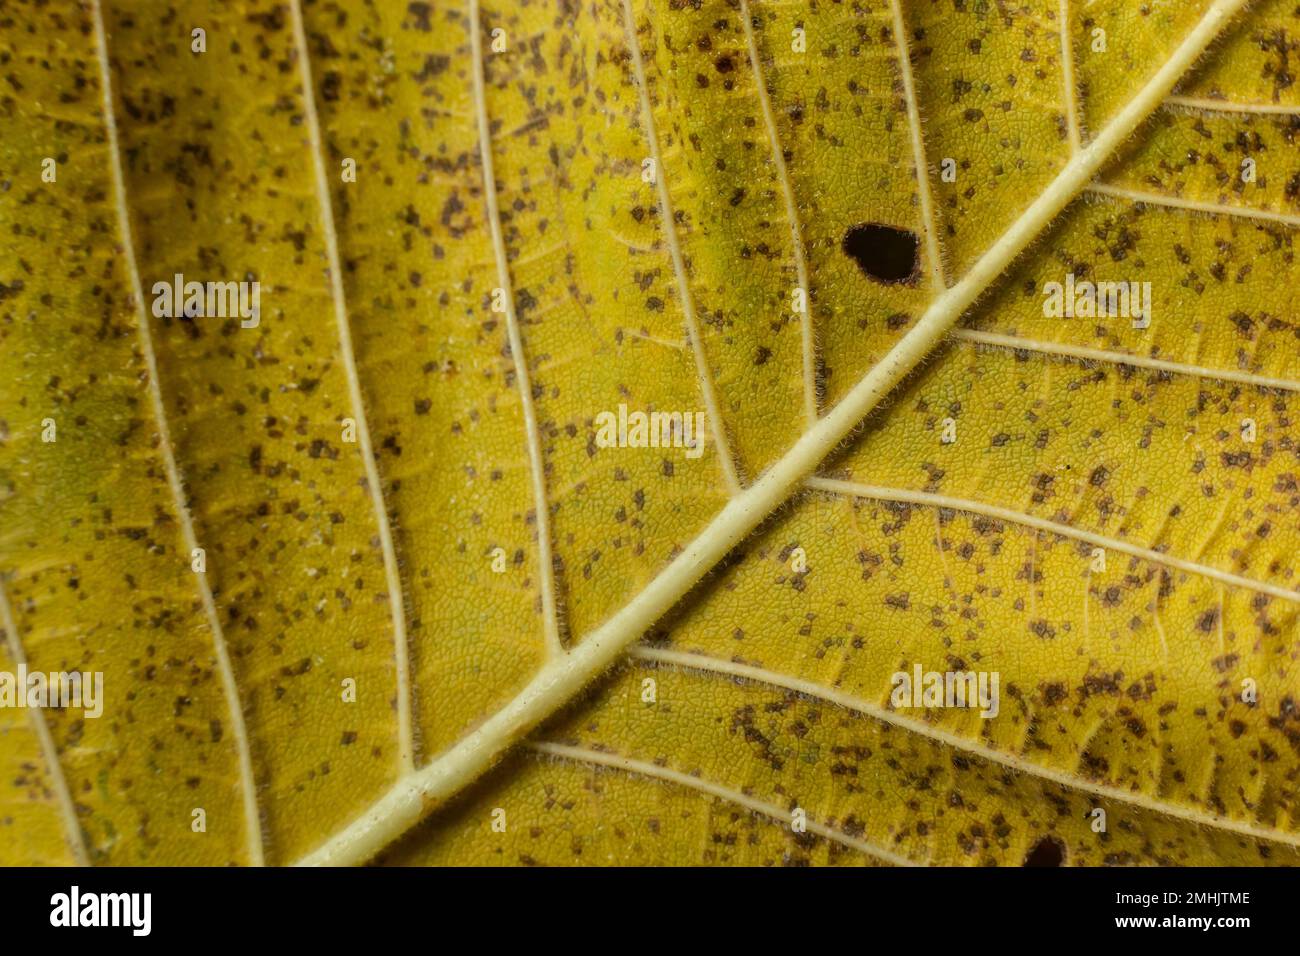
<point>396,481</point>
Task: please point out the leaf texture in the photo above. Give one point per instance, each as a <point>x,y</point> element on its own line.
<point>565,653</point>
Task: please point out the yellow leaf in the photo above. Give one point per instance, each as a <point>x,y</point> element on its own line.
<point>638,432</point>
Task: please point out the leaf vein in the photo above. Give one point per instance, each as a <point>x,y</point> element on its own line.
<point>1199,104</point>
<point>1088,354</point>
<point>1192,205</point>
<point>49,750</point>
<point>691,782</point>
<point>908,496</point>
<point>230,691</point>
<point>545,559</point>
<point>808,339</point>
<point>928,221</point>
<point>702,662</point>
<point>1072,110</point>
<point>725,457</point>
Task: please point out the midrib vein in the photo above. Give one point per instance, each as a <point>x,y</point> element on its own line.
<point>558,680</point>
<point>392,574</point>
<point>725,458</point>
<point>792,214</point>
<point>229,689</point>
<point>49,751</point>
<point>688,781</point>
<point>703,662</point>
<point>536,463</point>
<point>907,496</point>
<point>928,221</point>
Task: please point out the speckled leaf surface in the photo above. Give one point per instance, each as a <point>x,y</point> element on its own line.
<point>438,620</point>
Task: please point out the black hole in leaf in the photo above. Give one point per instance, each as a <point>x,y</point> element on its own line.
<point>883,252</point>
<point>1046,852</point>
